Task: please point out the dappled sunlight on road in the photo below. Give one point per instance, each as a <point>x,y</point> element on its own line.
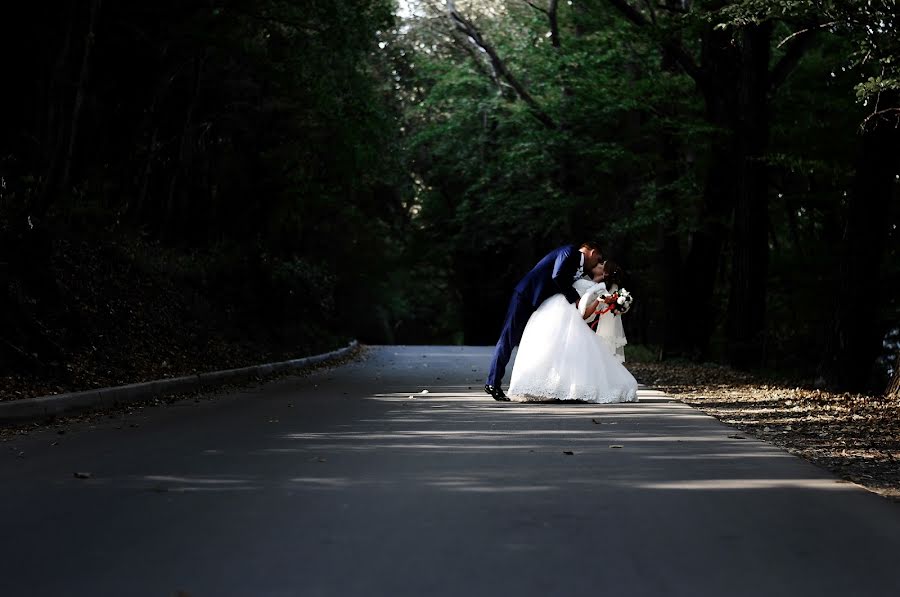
<point>455,439</point>
<point>391,433</point>
<point>732,484</point>
<point>172,483</point>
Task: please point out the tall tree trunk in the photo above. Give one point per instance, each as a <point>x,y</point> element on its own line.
<point>750,252</point>
<point>893,389</point>
<point>83,76</point>
<point>54,129</point>
<point>719,64</point>
<point>668,244</point>
<point>855,340</point>
<point>185,155</point>
<point>669,251</point>
<point>701,267</point>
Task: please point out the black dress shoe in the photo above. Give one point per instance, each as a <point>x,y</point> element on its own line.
<point>496,393</point>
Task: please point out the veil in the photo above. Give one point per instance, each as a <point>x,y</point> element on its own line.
<point>611,331</point>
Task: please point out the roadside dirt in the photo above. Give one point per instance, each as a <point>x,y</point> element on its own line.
<point>855,436</point>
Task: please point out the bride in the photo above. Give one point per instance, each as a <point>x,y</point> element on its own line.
<point>561,358</point>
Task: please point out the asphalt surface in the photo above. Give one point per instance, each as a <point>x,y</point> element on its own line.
<point>395,475</point>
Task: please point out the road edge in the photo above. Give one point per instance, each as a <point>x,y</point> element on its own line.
<point>43,407</point>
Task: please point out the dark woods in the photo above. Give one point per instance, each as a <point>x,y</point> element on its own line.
<point>236,156</point>
<point>285,175</point>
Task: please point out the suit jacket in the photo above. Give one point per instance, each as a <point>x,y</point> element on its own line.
<point>552,274</point>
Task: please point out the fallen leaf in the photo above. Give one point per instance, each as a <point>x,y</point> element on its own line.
<point>83,475</point>
<point>595,421</point>
<point>568,452</point>
<point>615,446</point>
<point>737,437</point>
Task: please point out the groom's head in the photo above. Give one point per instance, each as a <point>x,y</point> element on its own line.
<point>593,254</point>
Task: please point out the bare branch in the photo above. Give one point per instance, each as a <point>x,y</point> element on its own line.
<point>880,113</point>
<point>782,70</point>
<point>535,6</point>
<point>463,25</point>
<point>805,31</point>
<point>675,49</point>
<point>485,69</point>
<point>551,14</point>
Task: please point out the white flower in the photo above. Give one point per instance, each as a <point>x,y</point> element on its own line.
<point>621,300</point>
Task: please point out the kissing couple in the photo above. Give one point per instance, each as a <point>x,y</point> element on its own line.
<point>550,319</point>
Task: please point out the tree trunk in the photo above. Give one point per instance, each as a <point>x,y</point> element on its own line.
<point>719,64</point>
<point>750,251</point>
<point>701,268</point>
<point>79,95</point>
<point>173,222</point>
<point>668,243</point>
<point>893,389</point>
<point>55,129</point>
<point>855,340</point>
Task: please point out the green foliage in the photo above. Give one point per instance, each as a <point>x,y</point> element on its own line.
<point>250,137</point>
<point>871,29</point>
<point>631,149</point>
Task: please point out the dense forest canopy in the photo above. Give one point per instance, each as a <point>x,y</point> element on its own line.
<point>740,158</point>
<point>388,170</point>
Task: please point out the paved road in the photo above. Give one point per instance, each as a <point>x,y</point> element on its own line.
<point>356,482</point>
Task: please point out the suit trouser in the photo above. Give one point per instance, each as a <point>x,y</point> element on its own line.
<point>520,309</point>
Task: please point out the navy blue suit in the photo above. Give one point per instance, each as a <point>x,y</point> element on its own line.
<point>553,274</point>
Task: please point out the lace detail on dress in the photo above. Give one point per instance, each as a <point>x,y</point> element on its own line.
<point>550,391</point>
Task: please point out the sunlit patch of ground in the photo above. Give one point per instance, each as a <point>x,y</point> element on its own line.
<point>855,436</point>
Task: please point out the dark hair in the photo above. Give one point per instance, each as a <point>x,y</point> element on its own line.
<point>592,244</point>
<point>613,273</point>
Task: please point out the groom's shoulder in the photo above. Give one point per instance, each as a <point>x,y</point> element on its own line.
<point>564,249</point>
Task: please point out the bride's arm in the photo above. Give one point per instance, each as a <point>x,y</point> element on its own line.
<point>589,301</point>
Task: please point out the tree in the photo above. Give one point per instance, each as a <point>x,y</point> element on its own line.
<point>734,77</point>
<point>871,29</point>
<point>251,135</point>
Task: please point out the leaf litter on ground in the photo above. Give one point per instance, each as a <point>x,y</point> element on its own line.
<point>855,436</point>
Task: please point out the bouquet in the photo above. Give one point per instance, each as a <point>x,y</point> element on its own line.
<point>617,302</point>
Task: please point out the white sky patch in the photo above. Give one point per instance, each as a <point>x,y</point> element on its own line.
<point>406,8</point>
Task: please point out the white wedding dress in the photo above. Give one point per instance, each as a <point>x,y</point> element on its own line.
<point>561,358</point>
<point>610,328</point>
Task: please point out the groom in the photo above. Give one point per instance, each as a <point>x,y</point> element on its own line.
<point>554,273</point>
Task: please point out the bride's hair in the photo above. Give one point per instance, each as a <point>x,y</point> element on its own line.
<point>613,273</point>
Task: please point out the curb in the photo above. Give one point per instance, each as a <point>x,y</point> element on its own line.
<point>30,409</point>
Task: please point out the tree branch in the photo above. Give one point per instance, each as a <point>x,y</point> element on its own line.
<point>297,26</point>
<point>786,65</point>
<point>469,29</point>
<point>535,6</point>
<point>675,49</point>
<point>651,11</point>
<point>487,71</point>
<point>552,13</point>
